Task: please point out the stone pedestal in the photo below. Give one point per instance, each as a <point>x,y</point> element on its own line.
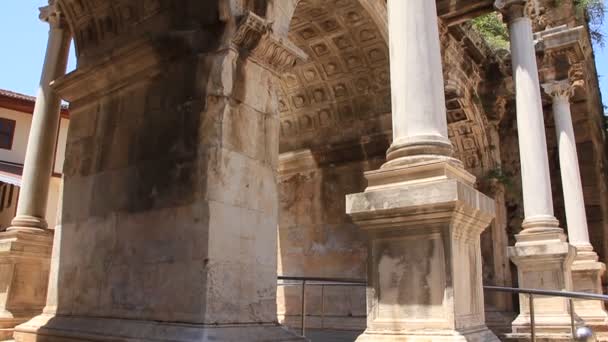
<point>587,274</point>
<point>424,265</point>
<point>24,270</point>
<point>544,261</point>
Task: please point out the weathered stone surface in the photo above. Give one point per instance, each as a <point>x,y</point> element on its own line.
<point>317,239</point>
<point>544,261</point>
<point>424,267</point>
<point>24,271</point>
<point>57,328</point>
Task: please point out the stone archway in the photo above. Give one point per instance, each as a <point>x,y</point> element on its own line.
<point>173,150</point>
<point>335,125</point>
<point>327,142</point>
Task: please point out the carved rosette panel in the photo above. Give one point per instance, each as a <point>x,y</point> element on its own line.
<point>346,78</point>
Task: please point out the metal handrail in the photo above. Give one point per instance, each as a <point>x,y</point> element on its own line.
<point>352,281</point>
<point>316,281</point>
<point>551,293</point>
<point>531,293</point>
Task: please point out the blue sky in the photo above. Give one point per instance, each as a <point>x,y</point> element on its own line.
<point>23,41</point>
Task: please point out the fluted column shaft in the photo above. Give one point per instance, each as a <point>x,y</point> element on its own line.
<point>418,101</point>
<point>536,179</point>
<point>39,156</point>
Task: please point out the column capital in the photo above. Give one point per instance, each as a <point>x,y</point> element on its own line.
<point>52,15</point>
<point>274,52</point>
<point>511,9</point>
<point>559,89</point>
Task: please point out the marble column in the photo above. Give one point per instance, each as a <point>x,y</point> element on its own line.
<point>420,211</point>
<point>27,244</point>
<point>39,156</point>
<point>541,252</point>
<point>586,270</point>
<point>420,129</point>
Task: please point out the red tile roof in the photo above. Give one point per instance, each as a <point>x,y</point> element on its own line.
<point>23,103</point>
<point>8,93</point>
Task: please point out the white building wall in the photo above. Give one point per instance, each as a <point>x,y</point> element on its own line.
<point>16,155</point>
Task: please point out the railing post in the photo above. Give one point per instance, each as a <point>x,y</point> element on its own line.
<point>532,322</point>
<point>303,307</point>
<point>322,306</point>
<point>571,304</point>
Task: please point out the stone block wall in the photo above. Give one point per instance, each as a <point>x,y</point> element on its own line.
<point>170,207</point>
<point>317,239</point>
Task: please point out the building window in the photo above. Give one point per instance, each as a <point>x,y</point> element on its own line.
<point>7,132</point>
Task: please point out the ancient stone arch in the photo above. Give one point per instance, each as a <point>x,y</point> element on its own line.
<point>336,124</point>
<point>345,81</point>
<point>179,113</point>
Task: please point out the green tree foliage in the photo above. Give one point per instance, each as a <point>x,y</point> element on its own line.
<point>493,30</point>
<point>496,34</point>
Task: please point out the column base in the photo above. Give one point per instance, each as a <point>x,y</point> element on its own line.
<point>420,149</point>
<point>28,223</point>
<point>50,328</point>
<point>24,271</point>
<point>482,334</point>
<point>543,261</point>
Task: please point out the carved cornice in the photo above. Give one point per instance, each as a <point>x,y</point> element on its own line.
<point>255,36</point>
<point>561,45</point>
<point>559,89</point>
<point>250,31</point>
<point>279,54</point>
<point>52,15</point>
<point>511,9</point>
<point>561,37</point>
<point>132,63</point>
